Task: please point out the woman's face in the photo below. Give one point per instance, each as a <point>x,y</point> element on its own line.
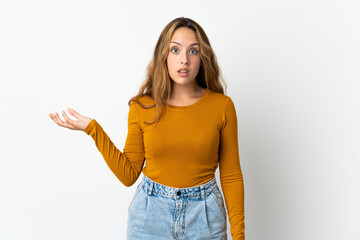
<point>183,55</point>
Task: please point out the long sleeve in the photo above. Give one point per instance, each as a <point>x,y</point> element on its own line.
<point>126,165</point>
<point>231,177</point>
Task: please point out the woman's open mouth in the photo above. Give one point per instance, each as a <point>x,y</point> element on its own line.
<point>183,73</point>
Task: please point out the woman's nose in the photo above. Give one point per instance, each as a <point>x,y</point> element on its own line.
<point>184,58</point>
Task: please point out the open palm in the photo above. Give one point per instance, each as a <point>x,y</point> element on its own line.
<point>79,124</point>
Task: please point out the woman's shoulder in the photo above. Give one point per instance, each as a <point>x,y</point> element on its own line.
<point>146,99</point>
<point>143,100</point>
<point>218,97</point>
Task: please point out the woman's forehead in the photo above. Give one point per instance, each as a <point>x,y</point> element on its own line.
<point>184,36</point>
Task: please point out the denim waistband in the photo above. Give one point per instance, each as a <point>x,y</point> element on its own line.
<point>195,193</point>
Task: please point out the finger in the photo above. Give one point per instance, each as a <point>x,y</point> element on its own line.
<point>52,117</point>
<point>67,119</point>
<point>58,120</point>
<point>73,112</point>
<point>62,123</point>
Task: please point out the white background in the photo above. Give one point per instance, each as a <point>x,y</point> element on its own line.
<point>292,69</point>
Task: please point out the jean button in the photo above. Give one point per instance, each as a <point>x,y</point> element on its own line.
<point>178,193</point>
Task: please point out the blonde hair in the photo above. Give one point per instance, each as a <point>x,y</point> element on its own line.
<point>158,83</point>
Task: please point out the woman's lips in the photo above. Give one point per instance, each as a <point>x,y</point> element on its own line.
<point>183,74</point>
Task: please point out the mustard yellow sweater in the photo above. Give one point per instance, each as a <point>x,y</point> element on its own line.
<point>183,150</point>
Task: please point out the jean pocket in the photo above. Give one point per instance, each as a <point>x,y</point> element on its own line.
<point>137,191</point>
<point>218,197</point>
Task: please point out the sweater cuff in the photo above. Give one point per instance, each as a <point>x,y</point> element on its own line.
<point>88,128</point>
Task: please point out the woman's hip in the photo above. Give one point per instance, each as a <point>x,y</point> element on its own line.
<point>162,212</point>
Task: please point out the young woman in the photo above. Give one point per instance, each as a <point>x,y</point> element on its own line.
<point>183,127</point>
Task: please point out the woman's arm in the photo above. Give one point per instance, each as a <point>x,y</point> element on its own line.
<point>230,172</point>
<point>126,165</point>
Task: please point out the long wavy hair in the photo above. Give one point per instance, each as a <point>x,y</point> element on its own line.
<point>158,84</point>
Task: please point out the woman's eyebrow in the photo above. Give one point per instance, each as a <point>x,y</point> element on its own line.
<point>190,45</point>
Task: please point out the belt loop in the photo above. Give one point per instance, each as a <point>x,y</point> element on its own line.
<point>202,192</point>
<point>150,188</point>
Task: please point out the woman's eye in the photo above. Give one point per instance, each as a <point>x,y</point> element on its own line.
<point>193,51</point>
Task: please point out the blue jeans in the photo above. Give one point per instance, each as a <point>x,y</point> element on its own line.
<point>161,212</point>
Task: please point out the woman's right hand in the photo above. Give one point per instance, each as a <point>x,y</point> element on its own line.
<point>80,124</point>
